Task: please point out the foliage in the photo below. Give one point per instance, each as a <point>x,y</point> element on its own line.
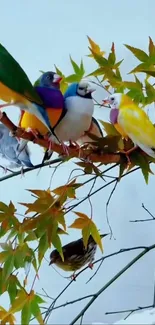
<point>26,240</point>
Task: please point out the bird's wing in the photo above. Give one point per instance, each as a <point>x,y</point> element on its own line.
<point>74,248</point>
<point>24,157</point>
<point>137,126</point>
<point>95,128</point>
<point>13,80</point>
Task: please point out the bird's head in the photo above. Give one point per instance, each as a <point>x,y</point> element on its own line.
<point>113,100</point>
<point>82,89</point>
<point>118,100</point>
<point>49,79</point>
<point>54,256</point>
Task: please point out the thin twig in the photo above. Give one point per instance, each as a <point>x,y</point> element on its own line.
<point>26,170</point>
<point>124,269</point>
<point>127,310</point>
<point>107,204</point>
<point>143,206</point>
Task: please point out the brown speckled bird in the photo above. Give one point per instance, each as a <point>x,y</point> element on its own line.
<point>75,255</point>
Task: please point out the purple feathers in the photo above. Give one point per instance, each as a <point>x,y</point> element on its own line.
<point>51,97</point>
<point>114,115</point>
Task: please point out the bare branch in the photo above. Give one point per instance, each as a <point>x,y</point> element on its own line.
<point>143,206</point>
<point>127,310</point>
<point>98,293</point>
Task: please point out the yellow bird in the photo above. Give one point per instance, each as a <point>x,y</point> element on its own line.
<point>133,121</point>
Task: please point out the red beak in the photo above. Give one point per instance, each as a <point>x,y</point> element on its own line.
<point>105,101</point>
<point>57,79</point>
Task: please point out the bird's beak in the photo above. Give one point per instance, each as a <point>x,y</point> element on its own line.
<point>57,79</point>
<point>90,90</point>
<point>105,101</point>
<point>104,235</point>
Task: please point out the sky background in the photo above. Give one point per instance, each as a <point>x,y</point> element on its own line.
<point>40,34</point>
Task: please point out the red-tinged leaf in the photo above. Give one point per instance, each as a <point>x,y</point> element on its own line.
<point>81,215</point>
<point>5,225</point>
<point>79,223</point>
<point>43,246</point>
<point>95,47</point>
<point>86,234</point>
<point>26,313</point>
<point>96,236</point>
<point>139,54</point>
<point>8,267</point>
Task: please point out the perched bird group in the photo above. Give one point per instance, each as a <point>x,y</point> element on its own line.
<point>62,118</point>
<point>44,109</point>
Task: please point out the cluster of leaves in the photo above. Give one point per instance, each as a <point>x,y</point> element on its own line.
<point>44,221</point>
<point>43,229</point>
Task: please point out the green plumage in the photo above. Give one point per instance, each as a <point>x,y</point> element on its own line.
<point>14,77</point>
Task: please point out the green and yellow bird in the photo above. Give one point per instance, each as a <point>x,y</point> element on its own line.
<point>16,89</point>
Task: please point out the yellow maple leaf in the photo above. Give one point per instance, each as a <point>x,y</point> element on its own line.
<point>95,48</point>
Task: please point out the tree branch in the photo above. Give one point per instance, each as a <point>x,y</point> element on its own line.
<point>98,293</point>
<point>105,158</point>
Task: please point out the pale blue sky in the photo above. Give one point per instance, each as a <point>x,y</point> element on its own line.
<point>38,34</point>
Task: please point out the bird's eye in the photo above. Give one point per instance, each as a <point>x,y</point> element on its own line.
<point>112,98</point>
<point>48,77</point>
<point>81,88</point>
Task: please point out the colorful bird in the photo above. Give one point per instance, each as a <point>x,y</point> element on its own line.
<point>134,122</point>
<point>75,255</point>
<point>48,88</point>
<point>9,149</point>
<point>16,89</point>
<point>77,114</point>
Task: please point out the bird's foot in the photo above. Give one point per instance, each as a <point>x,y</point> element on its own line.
<point>74,144</point>
<point>22,172</point>
<point>5,170</point>
<point>127,153</point>
<point>73,277</point>
<point>91,265</point>
<point>34,132</point>
<point>65,149</point>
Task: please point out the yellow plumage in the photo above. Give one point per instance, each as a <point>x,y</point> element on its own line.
<point>8,95</point>
<point>134,122</point>
<point>28,120</point>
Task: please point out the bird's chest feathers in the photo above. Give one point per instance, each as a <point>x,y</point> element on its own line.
<point>79,107</point>
<point>77,119</point>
